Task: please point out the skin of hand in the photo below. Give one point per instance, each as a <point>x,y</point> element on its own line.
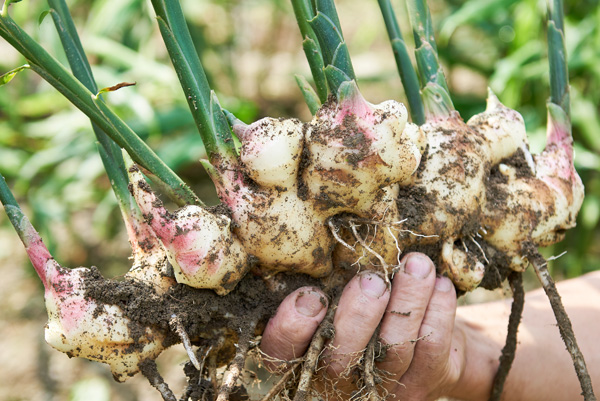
<point>425,354</point>
<point>436,349</point>
<point>542,369</point>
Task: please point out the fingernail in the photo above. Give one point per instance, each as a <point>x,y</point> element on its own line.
<point>372,285</point>
<point>418,266</point>
<point>309,303</point>
<point>443,284</point>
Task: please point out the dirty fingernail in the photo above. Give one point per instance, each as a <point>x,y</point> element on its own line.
<point>443,284</point>
<point>309,303</point>
<point>372,285</point>
<point>418,266</point>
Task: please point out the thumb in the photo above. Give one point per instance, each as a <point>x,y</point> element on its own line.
<point>290,331</point>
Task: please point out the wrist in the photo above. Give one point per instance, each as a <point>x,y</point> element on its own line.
<point>483,346</point>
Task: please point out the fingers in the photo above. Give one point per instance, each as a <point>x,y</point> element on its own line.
<point>417,322</point>
<point>359,312</point>
<point>430,367</point>
<point>289,332</point>
<point>411,292</point>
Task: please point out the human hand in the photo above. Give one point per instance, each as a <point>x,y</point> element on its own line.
<point>425,355</point>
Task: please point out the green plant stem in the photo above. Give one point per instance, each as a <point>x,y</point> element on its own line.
<point>100,114</point>
<point>559,129</point>
<point>336,57</point>
<point>210,120</point>
<point>427,59</point>
<point>406,70</point>
<point>437,102</point>
<point>110,152</point>
<point>34,246</point>
<point>310,96</point>
<point>430,70</point>
<point>71,44</point>
<point>8,199</point>
<point>304,12</point>
<point>327,7</point>
<point>36,249</point>
<point>557,56</point>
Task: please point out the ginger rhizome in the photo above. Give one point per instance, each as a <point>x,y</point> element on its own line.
<point>352,189</point>
<point>82,326</point>
<point>360,182</point>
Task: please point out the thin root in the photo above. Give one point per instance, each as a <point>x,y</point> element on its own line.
<point>281,383</point>
<point>205,355</point>
<point>314,351</point>
<point>557,256</point>
<point>369,369</point>
<point>212,370</point>
<point>149,369</point>
<point>362,242</point>
<point>235,368</point>
<point>176,325</point>
<point>564,325</point>
<point>480,248</point>
<point>397,248</point>
<point>334,231</point>
<point>508,352</point>
<point>195,380</point>
<point>393,225</point>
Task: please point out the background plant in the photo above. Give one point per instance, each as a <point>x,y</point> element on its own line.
<point>250,51</point>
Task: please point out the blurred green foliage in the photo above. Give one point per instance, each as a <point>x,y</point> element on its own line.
<point>251,49</point>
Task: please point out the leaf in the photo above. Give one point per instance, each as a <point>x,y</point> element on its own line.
<point>585,117</point>
<point>310,96</point>
<point>335,77</point>
<point>115,87</point>
<point>4,10</point>
<point>6,78</point>
<point>341,58</point>
<point>43,15</point>
<point>348,92</point>
<point>315,61</point>
<point>328,35</point>
<point>436,101</point>
<point>327,7</point>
